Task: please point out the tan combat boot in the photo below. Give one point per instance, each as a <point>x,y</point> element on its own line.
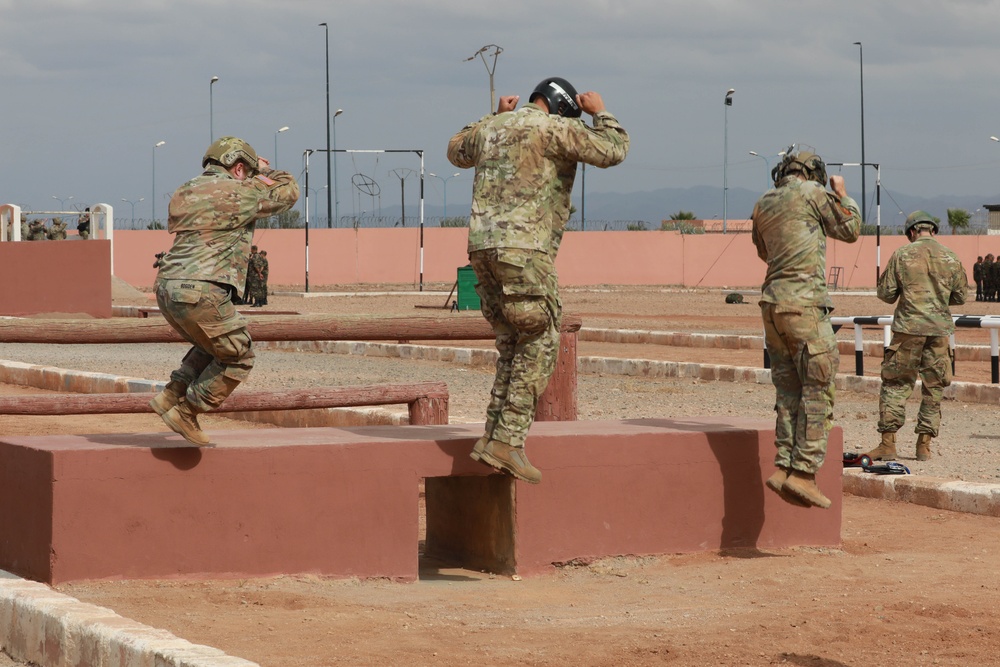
<point>183,420</point>
<point>776,483</point>
<point>803,486</point>
<point>167,398</point>
<point>512,460</point>
<point>885,451</point>
<point>924,446</point>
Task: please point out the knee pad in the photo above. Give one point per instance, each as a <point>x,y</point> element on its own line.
<point>528,314</point>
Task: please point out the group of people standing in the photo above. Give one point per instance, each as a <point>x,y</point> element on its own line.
<point>39,229</point>
<point>986,274</point>
<point>255,292</point>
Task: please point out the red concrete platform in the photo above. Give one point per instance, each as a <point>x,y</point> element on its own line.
<point>345,501</point>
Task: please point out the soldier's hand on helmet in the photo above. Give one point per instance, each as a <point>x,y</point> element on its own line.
<point>590,102</point>
<point>837,185</point>
<point>262,163</point>
<point>508,103</point>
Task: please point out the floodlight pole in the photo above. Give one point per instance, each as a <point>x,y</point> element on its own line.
<point>490,70</point>
<point>878,207</point>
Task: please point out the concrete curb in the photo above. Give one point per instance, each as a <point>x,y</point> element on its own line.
<point>945,494</point>
<point>47,628</point>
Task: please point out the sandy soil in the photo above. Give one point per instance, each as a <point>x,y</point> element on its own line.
<point>909,586</point>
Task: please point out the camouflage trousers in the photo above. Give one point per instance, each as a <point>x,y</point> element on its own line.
<point>221,355</point>
<point>804,361</point>
<point>908,357</point>
<point>519,294</point>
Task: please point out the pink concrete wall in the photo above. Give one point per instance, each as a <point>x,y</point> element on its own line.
<point>348,256</point>
<point>56,277</point>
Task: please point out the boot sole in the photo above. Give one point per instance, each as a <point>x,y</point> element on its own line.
<point>807,498</point>
<point>179,430</point>
<point>787,497</point>
<point>487,458</point>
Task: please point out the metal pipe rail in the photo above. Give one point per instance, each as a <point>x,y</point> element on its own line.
<point>859,322</point>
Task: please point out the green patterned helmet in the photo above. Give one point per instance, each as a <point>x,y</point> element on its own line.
<point>227,151</point>
<point>920,218</point>
<point>805,162</point>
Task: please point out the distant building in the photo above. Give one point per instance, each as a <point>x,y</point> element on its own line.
<point>993,220</point>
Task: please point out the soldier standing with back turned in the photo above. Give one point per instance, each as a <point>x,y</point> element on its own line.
<point>790,224</point>
<point>923,279</point>
<point>525,162</point>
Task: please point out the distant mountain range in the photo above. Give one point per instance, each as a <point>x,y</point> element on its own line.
<point>706,203</point>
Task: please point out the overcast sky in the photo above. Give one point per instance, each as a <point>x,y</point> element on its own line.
<point>90,86</point>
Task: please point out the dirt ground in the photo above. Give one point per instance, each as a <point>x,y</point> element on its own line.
<point>908,586</point>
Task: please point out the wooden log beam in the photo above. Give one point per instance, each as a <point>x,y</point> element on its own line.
<point>241,401</point>
<point>279,328</point>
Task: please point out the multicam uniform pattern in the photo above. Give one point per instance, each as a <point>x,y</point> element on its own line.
<point>525,164</point>
<point>790,226</point>
<point>213,217</point>
<point>922,279</point>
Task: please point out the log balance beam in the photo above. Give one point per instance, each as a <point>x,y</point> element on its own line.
<point>557,402</point>
<point>427,401</point>
<point>345,502</point>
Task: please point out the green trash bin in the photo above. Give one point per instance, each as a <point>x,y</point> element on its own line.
<point>468,299</point>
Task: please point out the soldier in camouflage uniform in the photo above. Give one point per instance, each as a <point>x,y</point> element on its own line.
<point>790,225</point>
<point>213,217</point>
<point>36,230</point>
<point>525,162</point>
<point>251,286</point>
<point>977,276</point>
<point>25,228</point>
<point>922,279</point>
<point>988,278</point>
<point>265,269</point>
<point>57,232</point>
<point>993,278</point>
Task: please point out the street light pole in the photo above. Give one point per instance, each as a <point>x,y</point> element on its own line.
<point>444,180</point>
<point>767,174</point>
<point>277,132</point>
<point>725,161</point>
<point>211,111</point>
<point>155,146</point>
<point>861,58</point>
<point>133,203</point>
<point>329,189</point>
<point>336,191</point>
<point>62,202</point>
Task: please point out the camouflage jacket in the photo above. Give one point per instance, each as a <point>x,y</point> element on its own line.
<point>926,278</point>
<point>525,164</point>
<point>213,217</point>
<point>790,224</point>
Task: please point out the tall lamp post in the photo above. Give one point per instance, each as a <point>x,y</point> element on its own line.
<point>276,133</point>
<point>725,161</point>
<point>444,180</point>
<point>62,202</point>
<point>767,163</point>
<point>133,203</point>
<point>336,191</point>
<point>861,58</point>
<point>153,202</point>
<point>211,111</point>
<point>329,175</point>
